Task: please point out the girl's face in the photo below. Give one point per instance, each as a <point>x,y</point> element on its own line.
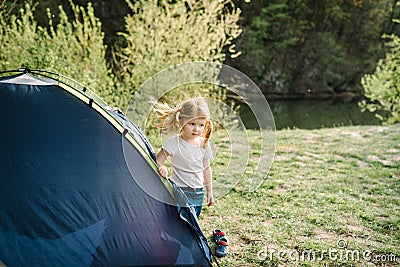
<point>193,129</point>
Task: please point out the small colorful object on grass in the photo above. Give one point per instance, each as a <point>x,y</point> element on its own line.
<point>222,243</point>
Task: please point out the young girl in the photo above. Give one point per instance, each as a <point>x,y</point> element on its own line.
<point>189,150</point>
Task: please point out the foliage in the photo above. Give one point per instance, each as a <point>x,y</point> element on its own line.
<point>382,88</point>
<point>310,46</point>
<point>287,47</point>
<point>18,32</point>
<point>111,14</point>
<point>161,34</point>
<point>74,49</point>
<point>5,11</point>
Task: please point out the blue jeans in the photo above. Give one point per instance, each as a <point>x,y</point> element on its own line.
<point>195,196</point>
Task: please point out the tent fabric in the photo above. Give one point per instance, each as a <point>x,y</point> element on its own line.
<point>67,197</point>
<point>134,130</point>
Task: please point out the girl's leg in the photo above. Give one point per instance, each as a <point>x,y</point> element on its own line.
<point>195,197</point>
<point>198,210</point>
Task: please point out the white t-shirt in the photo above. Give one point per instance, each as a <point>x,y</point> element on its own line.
<point>187,161</point>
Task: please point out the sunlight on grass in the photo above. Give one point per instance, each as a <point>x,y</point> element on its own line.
<point>326,189</point>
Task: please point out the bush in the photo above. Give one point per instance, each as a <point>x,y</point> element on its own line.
<point>74,49</point>
<point>160,34</point>
<point>382,88</point>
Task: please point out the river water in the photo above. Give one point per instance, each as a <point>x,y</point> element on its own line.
<point>312,114</point>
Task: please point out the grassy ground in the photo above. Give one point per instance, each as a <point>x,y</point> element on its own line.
<point>331,198</point>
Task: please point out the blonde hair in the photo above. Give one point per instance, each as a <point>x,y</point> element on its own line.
<point>173,119</point>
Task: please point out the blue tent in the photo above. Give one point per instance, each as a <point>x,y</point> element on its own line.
<point>67,196</point>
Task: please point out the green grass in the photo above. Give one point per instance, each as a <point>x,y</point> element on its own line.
<point>331,191</point>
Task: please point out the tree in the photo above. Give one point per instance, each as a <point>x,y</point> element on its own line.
<point>301,46</point>
<point>382,88</point>
<point>160,34</point>
<point>74,49</point>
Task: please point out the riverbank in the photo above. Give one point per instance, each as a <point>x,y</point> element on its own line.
<point>342,96</point>
<point>346,96</point>
<point>332,197</point>
<point>312,114</point>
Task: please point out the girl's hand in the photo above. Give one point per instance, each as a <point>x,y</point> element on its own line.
<point>163,170</point>
<point>210,199</point>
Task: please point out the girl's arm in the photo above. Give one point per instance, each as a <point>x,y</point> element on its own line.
<point>160,158</point>
<point>208,181</point>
